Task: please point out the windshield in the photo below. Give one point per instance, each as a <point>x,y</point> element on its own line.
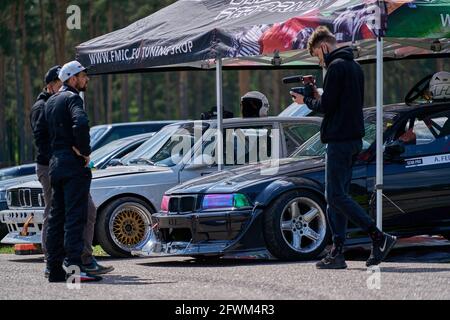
<point>108,149</point>
<point>296,110</point>
<point>7,174</point>
<point>168,145</point>
<point>314,147</point>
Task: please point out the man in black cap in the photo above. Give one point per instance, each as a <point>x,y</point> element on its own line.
<point>67,126</point>
<point>52,85</point>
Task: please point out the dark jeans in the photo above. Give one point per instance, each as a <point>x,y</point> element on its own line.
<point>340,159</point>
<point>70,183</point>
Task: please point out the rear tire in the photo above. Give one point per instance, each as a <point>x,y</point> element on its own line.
<point>123,225</point>
<point>295,226</point>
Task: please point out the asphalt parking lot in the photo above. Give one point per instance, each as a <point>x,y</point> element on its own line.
<point>417,269</point>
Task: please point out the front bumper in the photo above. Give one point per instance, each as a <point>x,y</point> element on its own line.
<point>202,233</point>
<point>18,221</point>
<point>198,233</point>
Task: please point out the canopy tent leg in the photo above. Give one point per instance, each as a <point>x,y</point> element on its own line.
<point>379,136</point>
<point>219,100</point>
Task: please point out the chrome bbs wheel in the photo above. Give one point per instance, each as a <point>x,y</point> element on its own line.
<point>303,225</point>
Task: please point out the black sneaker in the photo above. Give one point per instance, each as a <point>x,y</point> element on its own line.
<point>86,277</point>
<point>330,262</point>
<point>94,268</point>
<point>380,249</point>
<point>46,273</point>
<point>57,276</point>
<point>79,273</point>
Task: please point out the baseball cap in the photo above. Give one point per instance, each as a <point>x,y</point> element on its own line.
<point>52,74</point>
<point>70,69</point>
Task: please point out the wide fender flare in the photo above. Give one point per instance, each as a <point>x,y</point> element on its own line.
<point>283,185</point>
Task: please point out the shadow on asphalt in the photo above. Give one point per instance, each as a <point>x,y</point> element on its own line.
<point>419,254</point>
<point>111,279</point>
<point>411,254</point>
<point>28,260</point>
<point>195,263</point>
<point>404,270</point>
<point>422,254</point>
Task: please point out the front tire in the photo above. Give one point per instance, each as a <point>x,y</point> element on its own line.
<point>295,226</point>
<point>123,225</point>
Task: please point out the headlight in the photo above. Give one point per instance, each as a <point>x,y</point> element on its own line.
<point>165,204</point>
<point>218,201</point>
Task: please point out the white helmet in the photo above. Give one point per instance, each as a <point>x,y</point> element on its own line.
<point>262,107</point>
<point>440,85</point>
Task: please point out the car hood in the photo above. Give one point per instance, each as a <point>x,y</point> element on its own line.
<point>29,182</point>
<point>236,179</point>
<point>19,181</point>
<point>126,170</point>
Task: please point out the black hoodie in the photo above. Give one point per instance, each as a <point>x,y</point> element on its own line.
<point>342,99</point>
<point>43,147</point>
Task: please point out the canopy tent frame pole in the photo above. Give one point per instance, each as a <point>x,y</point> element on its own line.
<point>379,134</point>
<point>219,100</point>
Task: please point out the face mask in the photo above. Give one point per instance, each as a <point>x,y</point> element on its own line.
<point>325,57</point>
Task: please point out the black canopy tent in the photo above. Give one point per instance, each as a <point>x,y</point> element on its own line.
<point>236,34</point>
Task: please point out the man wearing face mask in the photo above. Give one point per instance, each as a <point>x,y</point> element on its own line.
<point>342,130</point>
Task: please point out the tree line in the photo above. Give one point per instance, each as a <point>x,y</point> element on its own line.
<point>34,37</point>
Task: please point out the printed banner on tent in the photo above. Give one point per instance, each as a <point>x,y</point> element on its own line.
<point>201,30</point>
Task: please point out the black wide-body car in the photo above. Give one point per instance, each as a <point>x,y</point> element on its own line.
<point>254,213</point>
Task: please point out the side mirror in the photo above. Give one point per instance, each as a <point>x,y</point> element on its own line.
<point>393,150</point>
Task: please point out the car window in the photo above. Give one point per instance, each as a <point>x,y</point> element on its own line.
<point>296,134</point>
<point>124,131</point>
<point>425,135</point>
<point>296,110</point>
<point>244,145</point>
<point>314,146</point>
<point>168,146</point>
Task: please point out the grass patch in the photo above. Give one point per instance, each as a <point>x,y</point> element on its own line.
<point>9,249</point>
<point>6,249</point>
<point>99,252</point>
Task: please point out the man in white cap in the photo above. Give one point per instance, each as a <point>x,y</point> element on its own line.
<point>70,176</point>
<point>41,135</point>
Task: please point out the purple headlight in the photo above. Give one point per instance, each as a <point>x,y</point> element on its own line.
<point>214,201</point>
